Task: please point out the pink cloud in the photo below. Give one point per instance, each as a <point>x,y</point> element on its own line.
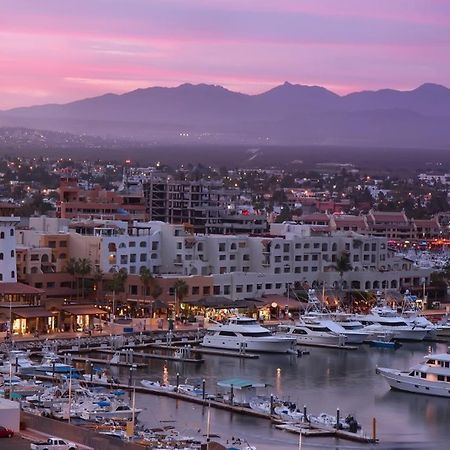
<point>58,51</point>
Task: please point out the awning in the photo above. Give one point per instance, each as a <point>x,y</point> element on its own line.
<point>83,310</point>
<point>30,313</point>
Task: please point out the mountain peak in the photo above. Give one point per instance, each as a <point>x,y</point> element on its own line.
<point>431,87</point>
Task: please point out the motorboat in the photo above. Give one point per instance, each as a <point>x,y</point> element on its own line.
<point>246,334</point>
<point>312,333</point>
<point>430,377</point>
<point>18,362</point>
<point>383,319</point>
<point>334,323</point>
<point>109,410</point>
<point>157,386</point>
<point>443,327</point>
<point>51,363</point>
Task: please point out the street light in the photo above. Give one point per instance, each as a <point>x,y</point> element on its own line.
<point>112,316</point>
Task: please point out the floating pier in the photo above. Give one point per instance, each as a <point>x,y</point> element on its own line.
<point>150,355</point>
<point>313,430</point>
<point>205,351</point>
<point>107,362</point>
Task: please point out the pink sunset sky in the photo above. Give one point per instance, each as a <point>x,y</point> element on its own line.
<point>63,50</point>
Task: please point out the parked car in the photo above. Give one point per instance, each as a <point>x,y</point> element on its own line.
<point>53,444</point>
<point>6,432</point>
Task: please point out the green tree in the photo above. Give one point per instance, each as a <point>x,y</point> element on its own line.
<point>146,279</point>
<point>181,291</point>
<point>84,269</point>
<point>97,276</point>
<point>72,268</point>
<point>343,265</point>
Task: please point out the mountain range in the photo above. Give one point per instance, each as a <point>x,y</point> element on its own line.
<point>289,114</point>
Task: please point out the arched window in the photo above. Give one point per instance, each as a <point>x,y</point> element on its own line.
<point>112,247</point>
<point>12,253</point>
<point>1,277</point>
<point>2,235</point>
<point>1,256</point>
<point>11,232</point>
<point>334,247</point>
<point>143,244</point>
<point>13,274</point>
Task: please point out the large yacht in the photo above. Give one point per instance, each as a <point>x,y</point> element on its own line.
<point>431,377</point>
<point>339,323</point>
<point>313,332</point>
<point>245,334</point>
<point>383,320</point>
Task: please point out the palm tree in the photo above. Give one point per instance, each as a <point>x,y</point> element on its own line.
<point>146,279</point>
<point>181,290</point>
<point>98,278</point>
<point>343,265</point>
<point>156,290</point>
<point>84,269</point>
<point>72,267</point>
<point>117,284</point>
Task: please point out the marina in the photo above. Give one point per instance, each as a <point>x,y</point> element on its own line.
<point>281,378</point>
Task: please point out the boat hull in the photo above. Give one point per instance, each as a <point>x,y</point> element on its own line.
<point>406,334</point>
<point>260,345</point>
<point>403,382</point>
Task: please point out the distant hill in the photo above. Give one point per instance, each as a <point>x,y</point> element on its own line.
<point>289,114</point>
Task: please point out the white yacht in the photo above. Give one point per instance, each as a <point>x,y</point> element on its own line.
<point>340,323</point>
<point>246,334</point>
<point>431,377</point>
<point>313,333</point>
<point>383,320</point>
<point>443,327</point>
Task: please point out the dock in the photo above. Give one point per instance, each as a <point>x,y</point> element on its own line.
<point>306,429</point>
<point>313,430</point>
<point>205,351</point>
<point>149,355</point>
<point>107,362</point>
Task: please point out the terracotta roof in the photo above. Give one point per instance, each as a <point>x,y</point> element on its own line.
<point>82,310</point>
<point>27,313</point>
<point>389,216</point>
<point>19,288</point>
<point>315,217</point>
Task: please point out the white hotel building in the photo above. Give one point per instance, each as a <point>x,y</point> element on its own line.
<point>243,266</point>
<point>7,244</point>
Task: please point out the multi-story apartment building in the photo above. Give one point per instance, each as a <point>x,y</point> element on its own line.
<point>204,204</point>
<point>97,203</point>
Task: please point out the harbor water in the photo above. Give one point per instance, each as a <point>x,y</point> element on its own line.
<point>324,380</point>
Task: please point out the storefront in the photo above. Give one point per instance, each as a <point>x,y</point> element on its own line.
<point>81,317</point>
<point>28,319</point>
